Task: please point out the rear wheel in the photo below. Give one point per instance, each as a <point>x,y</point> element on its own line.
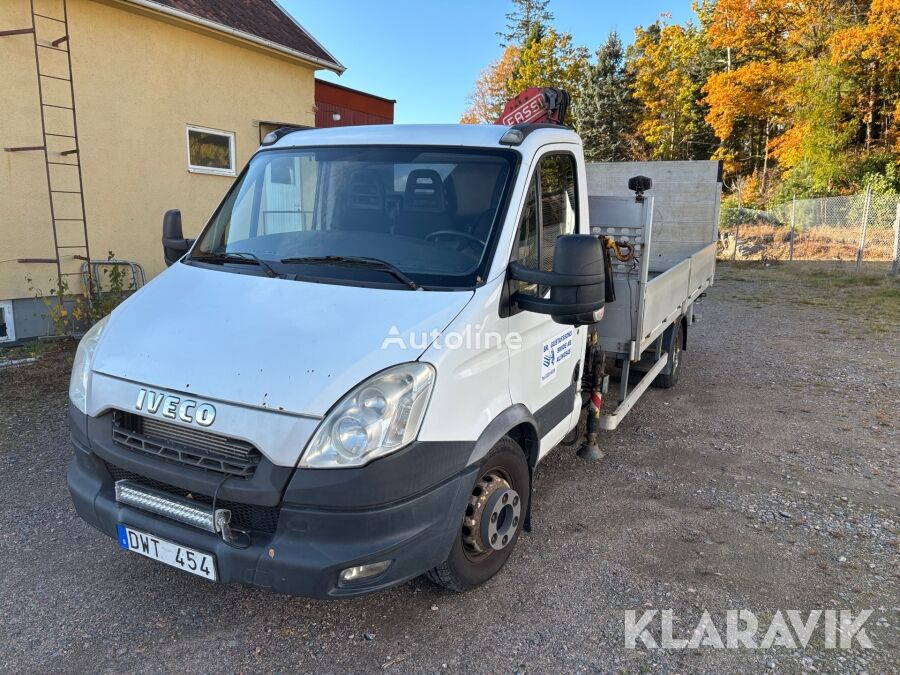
<point>492,520</point>
<point>668,378</point>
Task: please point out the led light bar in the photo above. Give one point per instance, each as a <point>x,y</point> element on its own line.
<point>132,493</point>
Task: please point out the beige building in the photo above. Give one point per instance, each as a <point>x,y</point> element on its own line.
<point>171,98</point>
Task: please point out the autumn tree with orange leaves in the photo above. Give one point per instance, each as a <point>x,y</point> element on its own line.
<point>795,96</point>
<point>868,55</point>
<point>492,89</point>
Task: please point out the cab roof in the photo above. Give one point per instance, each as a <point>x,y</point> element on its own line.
<point>463,135</point>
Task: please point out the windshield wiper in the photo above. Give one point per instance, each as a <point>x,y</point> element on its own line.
<point>237,257</point>
<point>355,261</point>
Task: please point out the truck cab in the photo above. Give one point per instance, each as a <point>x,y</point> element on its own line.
<point>349,378</point>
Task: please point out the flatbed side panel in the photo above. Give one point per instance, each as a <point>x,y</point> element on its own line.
<point>703,269</point>
<point>664,301</point>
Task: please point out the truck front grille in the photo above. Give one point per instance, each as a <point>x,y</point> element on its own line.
<point>243,516</point>
<point>192,447</point>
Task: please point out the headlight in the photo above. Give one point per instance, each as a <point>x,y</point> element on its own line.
<point>81,368</point>
<point>378,417</point>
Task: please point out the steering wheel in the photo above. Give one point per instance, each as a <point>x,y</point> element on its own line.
<point>455,233</point>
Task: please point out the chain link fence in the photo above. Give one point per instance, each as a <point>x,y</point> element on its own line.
<point>856,228</point>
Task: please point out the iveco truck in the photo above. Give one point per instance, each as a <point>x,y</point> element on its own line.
<point>351,375</point>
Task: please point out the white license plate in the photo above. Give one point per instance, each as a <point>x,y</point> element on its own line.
<point>149,545</point>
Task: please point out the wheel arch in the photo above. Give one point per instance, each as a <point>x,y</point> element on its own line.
<point>667,335</point>
<point>516,422</point>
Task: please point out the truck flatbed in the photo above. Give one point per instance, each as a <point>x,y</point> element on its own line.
<point>672,229</point>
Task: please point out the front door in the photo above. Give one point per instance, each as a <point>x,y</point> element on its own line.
<point>543,368</point>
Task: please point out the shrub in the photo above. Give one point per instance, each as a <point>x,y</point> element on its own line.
<point>73,313</point>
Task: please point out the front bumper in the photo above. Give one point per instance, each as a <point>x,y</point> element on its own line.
<point>311,543</point>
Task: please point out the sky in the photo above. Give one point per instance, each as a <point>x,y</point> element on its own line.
<point>426,54</point>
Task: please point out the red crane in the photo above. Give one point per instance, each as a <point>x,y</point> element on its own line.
<point>536,105</point>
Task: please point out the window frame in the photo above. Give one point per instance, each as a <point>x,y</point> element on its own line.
<point>7,307</point>
<point>536,176</point>
<point>193,168</point>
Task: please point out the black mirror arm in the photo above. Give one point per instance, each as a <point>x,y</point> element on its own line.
<point>178,242</point>
<point>519,272</point>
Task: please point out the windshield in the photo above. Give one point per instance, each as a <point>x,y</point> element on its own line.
<point>430,213</point>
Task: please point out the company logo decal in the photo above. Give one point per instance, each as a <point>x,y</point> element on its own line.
<point>554,352</point>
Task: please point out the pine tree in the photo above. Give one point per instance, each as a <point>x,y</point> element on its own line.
<point>528,16</point>
<point>606,111</point>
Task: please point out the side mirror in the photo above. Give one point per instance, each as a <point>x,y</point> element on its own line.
<point>173,241</point>
<point>577,282</point>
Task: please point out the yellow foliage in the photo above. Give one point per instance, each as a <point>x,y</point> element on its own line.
<point>491,90</point>
<point>551,61</point>
<point>664,85</point>
<point>876,42</point>
<point>757,90</point>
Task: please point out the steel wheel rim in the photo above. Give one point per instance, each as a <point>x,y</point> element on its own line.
<point>493,516</point>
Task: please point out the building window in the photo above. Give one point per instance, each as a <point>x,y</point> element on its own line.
<point>7,330</point>
<point>210,151</point>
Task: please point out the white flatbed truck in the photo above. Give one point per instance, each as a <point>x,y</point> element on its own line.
<point>349,378</point>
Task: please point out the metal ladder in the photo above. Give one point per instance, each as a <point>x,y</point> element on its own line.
<point>60,147</point>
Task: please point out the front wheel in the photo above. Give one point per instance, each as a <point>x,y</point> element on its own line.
<point>492,520</point>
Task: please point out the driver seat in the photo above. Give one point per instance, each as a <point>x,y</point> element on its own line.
<point>424,208</point>
<point>363,207</point>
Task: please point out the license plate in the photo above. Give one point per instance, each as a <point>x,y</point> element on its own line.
<point>149,545</point>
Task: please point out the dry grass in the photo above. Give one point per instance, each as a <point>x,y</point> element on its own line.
<point>870,297</point>
<point>768,242</point>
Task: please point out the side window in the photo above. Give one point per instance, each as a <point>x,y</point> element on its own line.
<point>550,211</point>
<point>557,203</point>
<point>528,236</point>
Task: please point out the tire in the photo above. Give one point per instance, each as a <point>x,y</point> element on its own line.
<point>668,378</point>
<point>467,567</point>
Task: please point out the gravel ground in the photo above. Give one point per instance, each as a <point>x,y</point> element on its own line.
<point>766,480</point>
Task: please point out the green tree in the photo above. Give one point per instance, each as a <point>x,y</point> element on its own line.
<point>551,60</point>
<point>664,62</point>
<point>781,108</point>
<point>607,113</point>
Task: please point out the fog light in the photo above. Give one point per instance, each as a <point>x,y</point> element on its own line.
<point>354,575</point>
<point>132,493</point>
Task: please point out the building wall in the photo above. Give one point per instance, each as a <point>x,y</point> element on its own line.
<point>139,81</point>
<point>354,107</point>
<point>24,209</point>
